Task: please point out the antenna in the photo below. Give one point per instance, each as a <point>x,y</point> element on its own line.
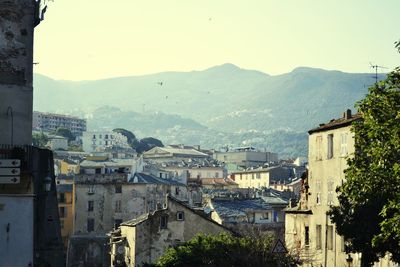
<point>376,67</point>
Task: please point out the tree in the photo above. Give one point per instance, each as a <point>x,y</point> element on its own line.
<point>368,215</point>
<point>40,140</point>
<point>132,140</point>
<point>64,132</point>
<point>148,143</point>
<point>225,250</point>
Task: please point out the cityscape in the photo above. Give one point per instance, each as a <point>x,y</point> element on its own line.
<point>223,166</point>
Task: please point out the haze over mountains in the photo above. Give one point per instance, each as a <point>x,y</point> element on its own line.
<point>222,105</point>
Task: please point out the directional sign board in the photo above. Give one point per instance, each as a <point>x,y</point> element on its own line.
<point>9,179</point>
<point>279,247</point>
<point>10,171</point>
<point>9,163</point>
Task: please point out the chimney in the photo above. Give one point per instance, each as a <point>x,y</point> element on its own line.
<point>347,114</point>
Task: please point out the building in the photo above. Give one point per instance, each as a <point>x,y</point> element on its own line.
<point>309,231</point>
<point>105,198</point>
<point>168,154</point>
<point>58,142</point>
<point>218,183</point>
<point>65,211</point>
<point>146,238</point>
<point>98,141</point>
<point>246,157</point>
<point>249,215</point>
<point>260,177</point>
<point>50,122</point>
<point>185,170</point>
<point>28,202</point>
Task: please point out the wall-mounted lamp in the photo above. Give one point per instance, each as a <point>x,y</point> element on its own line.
<point>47,184</point>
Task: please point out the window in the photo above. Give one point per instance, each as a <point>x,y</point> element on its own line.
<point>307,236</point>
<point>117,223</point>
<point>91,189</point>
<point>90,225</point>
<point>318,148</point>
<point>330,192</point>
<point>330,146</point>
<point>62,211</point>
<point>343,144</point>
<point>61,198</point>
<point>342,244</point>
<point>98,170</point>
<point>100,136</point>
<point>318,236</point>
<point>177,191</point>
<point>180,216</point>
<point>252,176</point>
<point>240,175</point>
<point>330,237</point>
<point>118,188</point>
<point>164,222</point>
<point>118,206</point>
<point>106,137</point>
<point>90,206</point>
<point>94,136</point>
<point>258,175</point>
<point>216,175</point>
<point>265,216</point>
<point>318,189</point>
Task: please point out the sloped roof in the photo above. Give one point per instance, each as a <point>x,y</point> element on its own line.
<point>239,207</point>
<point>142,178</point>
<point>64,188</point>
<point>177,151</point>
<point>107,163</point>
<point>217,181</point>
<point>336,123</point>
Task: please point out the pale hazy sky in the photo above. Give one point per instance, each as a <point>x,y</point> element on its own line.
<point>93,39</point>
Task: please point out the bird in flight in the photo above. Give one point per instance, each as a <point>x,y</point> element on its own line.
<point>160,83</point>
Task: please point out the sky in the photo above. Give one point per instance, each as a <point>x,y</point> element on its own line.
<point>96,39</point>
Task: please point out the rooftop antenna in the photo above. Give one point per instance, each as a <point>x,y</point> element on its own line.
<point>376,67</point>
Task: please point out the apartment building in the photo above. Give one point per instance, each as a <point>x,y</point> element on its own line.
<point>99,141</point>
<point>50,122</point>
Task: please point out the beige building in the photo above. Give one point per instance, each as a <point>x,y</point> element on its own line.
<point>309,231</point>
<point>145,239</point>
<point>246,157</point>
<point>259,177</point>
<point>168,154</point>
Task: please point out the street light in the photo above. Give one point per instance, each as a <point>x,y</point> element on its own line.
<point>47,184</point>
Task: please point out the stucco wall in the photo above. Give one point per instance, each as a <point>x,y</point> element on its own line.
<point>17,21</point>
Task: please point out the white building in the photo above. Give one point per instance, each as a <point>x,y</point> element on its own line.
<point>98,141</point>
<point>58,142</point>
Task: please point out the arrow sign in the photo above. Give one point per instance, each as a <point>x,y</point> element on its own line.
<point>4,163</point>
<point>279,247</point>
<point>9,171</point>
<point>9,179</point>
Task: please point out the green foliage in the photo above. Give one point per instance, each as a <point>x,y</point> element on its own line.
<point>141,145</point>
<point>40,140</point>
<point>225,250</point>
<point>368,215</point>
<point>148,143</point>
<point>132,141</point>
<point>65,133</point>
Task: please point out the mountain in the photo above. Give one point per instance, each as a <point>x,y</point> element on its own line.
<point>214,107</point>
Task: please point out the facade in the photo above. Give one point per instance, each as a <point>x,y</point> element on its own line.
<point>58,143</point>
<point>250,215</point>
<point>146,238</point>
<point>102,201</point>
<point>309,230</point>
<point>65,211</point>
<point>28,205</point>
<point>260,177</point>
<point>50,122</point>
<point>218,183</point>
<point>173,154</point>
<point>246,157</point>
<point>99,141</point>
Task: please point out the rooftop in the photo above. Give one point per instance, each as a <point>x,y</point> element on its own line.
<point>218,181</point>
<point>346,120</point>
<point>142,178</point>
